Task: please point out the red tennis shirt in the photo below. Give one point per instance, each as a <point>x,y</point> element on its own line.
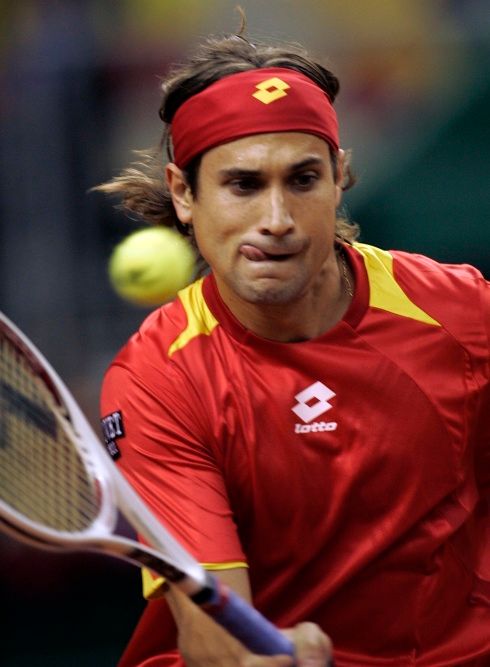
<point>349,472</point>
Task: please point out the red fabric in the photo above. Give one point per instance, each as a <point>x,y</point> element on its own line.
<point>228,110</point>
<point>153,643</point>
<point>377,529</point>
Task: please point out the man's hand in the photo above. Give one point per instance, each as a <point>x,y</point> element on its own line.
<point>313,648</point>
<point>208,645</point>
<point>203,643</point>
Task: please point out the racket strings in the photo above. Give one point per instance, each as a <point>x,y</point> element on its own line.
<point>41,473</point>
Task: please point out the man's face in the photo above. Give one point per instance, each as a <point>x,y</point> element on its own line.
<point>264,216</point>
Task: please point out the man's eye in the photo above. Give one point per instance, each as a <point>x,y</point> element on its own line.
<point>305,181</point>
<point>244,185</point>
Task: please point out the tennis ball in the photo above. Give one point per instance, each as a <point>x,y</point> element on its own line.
<point>151,265</point>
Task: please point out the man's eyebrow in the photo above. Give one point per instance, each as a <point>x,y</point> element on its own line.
<point>310,161</point>
<point>239,172</point>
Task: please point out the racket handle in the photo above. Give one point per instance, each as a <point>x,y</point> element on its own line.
<point>241,620</point>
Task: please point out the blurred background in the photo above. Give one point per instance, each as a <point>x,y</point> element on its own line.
<point>80,90</point>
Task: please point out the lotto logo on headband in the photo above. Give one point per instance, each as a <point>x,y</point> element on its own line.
<point>271,90</point>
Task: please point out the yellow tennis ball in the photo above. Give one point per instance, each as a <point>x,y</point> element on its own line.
<point>151,265</point>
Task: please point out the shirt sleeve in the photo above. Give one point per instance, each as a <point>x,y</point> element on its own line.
<point>483,453</point>
<point>162,451</point>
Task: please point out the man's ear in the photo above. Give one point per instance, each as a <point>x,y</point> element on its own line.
<point>180,192</point>
<point>339,181</point>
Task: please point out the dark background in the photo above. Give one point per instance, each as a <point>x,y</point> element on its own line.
<point>80,90</point>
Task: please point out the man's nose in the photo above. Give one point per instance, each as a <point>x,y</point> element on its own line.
<point>276,218</point>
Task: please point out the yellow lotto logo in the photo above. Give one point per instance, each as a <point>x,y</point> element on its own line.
<point>271,90</point>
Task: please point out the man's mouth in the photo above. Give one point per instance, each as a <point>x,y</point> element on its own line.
<point>255,254</point>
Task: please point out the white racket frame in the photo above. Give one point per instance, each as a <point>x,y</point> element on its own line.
<point>166,556</point>
<point>115,492</point>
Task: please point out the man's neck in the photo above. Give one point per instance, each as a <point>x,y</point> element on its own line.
<point>321,308</point>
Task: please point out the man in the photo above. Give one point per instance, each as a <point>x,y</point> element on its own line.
<point>311,418</point>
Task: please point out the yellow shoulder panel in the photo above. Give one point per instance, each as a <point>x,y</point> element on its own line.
<point>200,320</point>
<point>384,292</point>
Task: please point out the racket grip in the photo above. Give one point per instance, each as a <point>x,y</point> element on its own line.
<point>243,621</point>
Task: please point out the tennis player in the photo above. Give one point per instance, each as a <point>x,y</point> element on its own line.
<point>311,418</point>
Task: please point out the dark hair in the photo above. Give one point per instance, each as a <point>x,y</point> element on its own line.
<point>142,185</point>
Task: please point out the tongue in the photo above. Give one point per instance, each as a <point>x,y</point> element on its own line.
<point>252,253</point>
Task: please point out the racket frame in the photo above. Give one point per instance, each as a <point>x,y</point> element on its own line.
<point>165,556</point>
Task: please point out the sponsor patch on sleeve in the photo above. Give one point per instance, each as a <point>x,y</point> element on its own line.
<point>112,429</point>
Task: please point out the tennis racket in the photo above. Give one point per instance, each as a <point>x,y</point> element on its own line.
<point>59,489</point>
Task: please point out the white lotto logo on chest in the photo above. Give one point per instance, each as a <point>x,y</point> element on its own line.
<point>313,402</point>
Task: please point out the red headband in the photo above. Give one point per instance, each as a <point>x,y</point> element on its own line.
<point>276,99</point>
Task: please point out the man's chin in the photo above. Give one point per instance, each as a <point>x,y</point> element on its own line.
<point>270,295</point>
